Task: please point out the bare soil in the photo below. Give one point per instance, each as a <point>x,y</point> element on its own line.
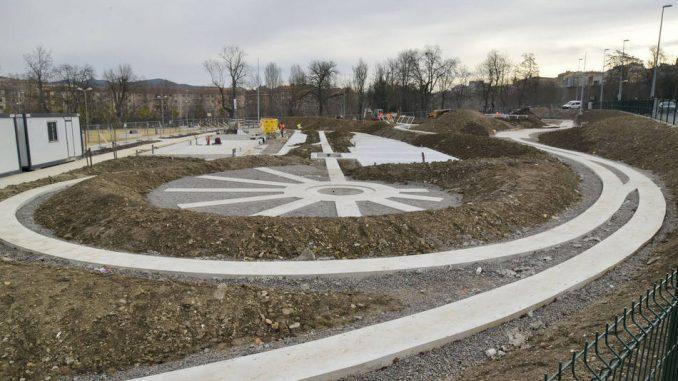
<point>464,121</point>
<point>501,195</point>
<point>636,141</point>
<point>64,322</point>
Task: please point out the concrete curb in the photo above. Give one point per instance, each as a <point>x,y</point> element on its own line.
<point>612,196</point>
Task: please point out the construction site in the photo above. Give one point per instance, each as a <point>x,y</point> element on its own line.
<point>276,191</point>
<point>464,246</point>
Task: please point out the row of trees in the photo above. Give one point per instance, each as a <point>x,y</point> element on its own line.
<point>415,80</point>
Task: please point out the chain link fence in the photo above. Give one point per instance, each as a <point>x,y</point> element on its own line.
<point>639,344</point>
<point>104,136</point>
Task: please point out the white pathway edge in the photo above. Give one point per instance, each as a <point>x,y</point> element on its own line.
<point>377,345</point>
<point>611,198</point>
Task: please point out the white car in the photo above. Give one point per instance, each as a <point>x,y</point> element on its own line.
<point>667,105</point>
<point>572,105</point>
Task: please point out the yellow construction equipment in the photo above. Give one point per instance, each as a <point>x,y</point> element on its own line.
<point>269,125</point>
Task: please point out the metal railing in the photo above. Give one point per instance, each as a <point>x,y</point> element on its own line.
<point>663,110</point>
<point>640,344</point>
<point>104,136</point>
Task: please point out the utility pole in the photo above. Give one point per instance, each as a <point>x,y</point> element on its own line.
<point>162,107</point>
<point>258,91</point>
<point>656,56</point>
<point>621,74</point>
<point>602,80</point>
<point>581,105</point>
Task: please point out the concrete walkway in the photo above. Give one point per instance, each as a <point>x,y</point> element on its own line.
<point>378,345</point>
<point>80,163</point>
<point>610,200</point>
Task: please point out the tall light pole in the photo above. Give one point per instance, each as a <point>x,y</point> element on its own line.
<point>584,79</point>
<point>576,92</point>
<point>602,79</point>
<point>621,74</point>
<point>84,92</point>
<point>258,91</point>
<point>656,55</point>
<point>162,107</point>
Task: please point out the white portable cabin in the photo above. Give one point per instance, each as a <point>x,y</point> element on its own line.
<point>9,149</point>
<point>47,139</point>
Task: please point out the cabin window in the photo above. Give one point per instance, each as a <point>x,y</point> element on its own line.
<point>52,131</point>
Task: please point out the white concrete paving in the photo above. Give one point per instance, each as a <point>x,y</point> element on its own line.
<point>369,149</point>
<point>80,163</point>
<point>355,351</point>
<point>378,345</point>
<point>609,201</point>
<point>200,149</point>
<point>297,138</point>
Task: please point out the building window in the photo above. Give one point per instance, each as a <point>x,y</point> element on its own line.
<point>52,131</point>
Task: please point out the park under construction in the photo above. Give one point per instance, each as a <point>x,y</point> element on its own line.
<point>458,246</point>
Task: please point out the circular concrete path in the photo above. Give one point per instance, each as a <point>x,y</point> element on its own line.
<point>377,345</point>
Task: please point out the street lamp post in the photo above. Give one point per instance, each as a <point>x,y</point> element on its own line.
<point>162,107</point>
<point>621,74</point>
<point>84,92</point>
<point>576,92</point>
<point>602,79</point>
<point>584,81</point>
<point>656,55</point>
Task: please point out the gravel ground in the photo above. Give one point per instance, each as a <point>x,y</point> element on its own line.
<point>418,291</point>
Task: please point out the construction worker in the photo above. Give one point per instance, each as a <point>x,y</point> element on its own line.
<point>298,126</point>
<point>281,126</point>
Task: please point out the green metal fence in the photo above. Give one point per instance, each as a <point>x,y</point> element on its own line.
<point>663,110</point>
<point>640,344</point>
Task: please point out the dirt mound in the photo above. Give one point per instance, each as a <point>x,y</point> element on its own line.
<point>553,113</point>
<point>456,121</point>
<point>60,322</point>
<point>315,123</point>
<point>637,141</point>
<point>112,211</point>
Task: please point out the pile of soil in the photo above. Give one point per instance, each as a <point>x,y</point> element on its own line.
<point>637,141</point>
<point>315,123</point>
<point>463,121</point>
<point>553,113</point>
<point>60,322</point>
<point>500,196</point>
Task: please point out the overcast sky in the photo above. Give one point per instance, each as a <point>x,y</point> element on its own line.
<point>171,38</point>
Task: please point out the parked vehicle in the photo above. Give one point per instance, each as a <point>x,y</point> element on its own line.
<point>667,105</point>
<point>572,105</point>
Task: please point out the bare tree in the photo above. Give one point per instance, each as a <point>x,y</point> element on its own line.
<point>359,80</point>
<point>119,82</point>
<point>234,60</point>
<point>447,80</point>
<point>273,79</point>
<point>321,75</point>
<point>494,75</point>
<point>272,75</point>
<point>298,89</point>
<point>461,91</point>
<point>39,70</point>
<point>71,78</point>
<point>217,71</point>
<point>526,82</point>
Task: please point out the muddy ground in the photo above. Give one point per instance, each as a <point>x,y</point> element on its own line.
<point>636,141</point>
<point>500,195</point>
<point>464,121</point>
<point>64,322</point>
